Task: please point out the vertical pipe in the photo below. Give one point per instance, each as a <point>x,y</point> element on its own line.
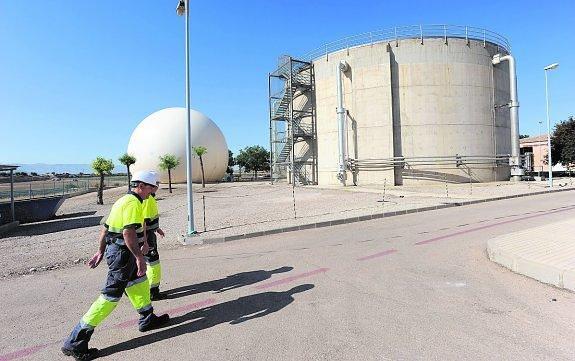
<point>494,121</point>
<point>191,229</point>
<point>516,170</point>
<point>341,174</point>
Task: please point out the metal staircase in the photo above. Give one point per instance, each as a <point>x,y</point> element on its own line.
<point>293,139</point>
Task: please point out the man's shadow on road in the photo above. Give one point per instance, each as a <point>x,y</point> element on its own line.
<point>233,312</point>
<point>225,284</point>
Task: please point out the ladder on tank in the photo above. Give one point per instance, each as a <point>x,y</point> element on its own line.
<point>293,133</point>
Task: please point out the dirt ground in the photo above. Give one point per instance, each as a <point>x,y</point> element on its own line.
<point>224,209</point>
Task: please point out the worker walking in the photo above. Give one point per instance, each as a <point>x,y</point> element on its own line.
<point>154,269</point>
<point>122,243</point>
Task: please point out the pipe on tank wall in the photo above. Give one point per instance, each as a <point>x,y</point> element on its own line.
<point>342,67</point>
<point>516,169</point>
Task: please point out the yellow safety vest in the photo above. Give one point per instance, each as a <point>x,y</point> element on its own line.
<point>127,212</point>
<point>151,216</point>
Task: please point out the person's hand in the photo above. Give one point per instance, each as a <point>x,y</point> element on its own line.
<point>95,260</point>
<point>145,248</point>
<point>141,264</point>
<point>160,232</point>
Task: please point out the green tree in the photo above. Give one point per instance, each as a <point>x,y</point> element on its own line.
<point>255,158</point>
<point>563,143</point>
<point>231,163</point>
<point>127,160</point>
<point>102,167</point>
<point>169,162</point>
<point>199,152</point>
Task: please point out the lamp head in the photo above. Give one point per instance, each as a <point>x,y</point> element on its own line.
<point>181,8</point>
<point>551,66</point>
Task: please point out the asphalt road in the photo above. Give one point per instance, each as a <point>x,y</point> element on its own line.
<point>413,287</point>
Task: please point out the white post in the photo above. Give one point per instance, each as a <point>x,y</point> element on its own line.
<point>184,9</point>
<point>549,161</point>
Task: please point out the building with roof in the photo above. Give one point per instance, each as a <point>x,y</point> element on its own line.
<point>537,146</point>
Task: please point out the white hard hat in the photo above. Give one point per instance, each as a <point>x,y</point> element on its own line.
<point>146,176</point>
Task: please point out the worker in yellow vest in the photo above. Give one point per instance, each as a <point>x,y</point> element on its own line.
<point>154,269</point>
<point>122,242</point>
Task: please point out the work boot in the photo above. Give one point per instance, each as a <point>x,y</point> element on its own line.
<point>156,295</point>
<point>91,354</point>
<point>155,322</point>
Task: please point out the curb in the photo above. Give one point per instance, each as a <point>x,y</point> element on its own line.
<point>5,228</point>
<point>530,253</point>
<point>199,240</point>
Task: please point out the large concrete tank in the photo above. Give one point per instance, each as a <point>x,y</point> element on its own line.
<point>164,132</point>
<point>415,97</point>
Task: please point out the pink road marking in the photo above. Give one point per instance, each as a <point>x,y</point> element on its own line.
<point>376,255</point>
<point>23,353</point>
<point>126,324</point>
<point>191,306</point>
<point>290,279</point>
<point>435,239</point>
<point>34,349</point>
<point>172,311</point>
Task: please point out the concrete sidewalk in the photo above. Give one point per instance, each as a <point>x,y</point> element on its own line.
<point>545,253</point>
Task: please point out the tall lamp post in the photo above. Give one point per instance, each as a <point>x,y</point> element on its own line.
<point>540,169</point>
<point>549,161</point>
<point>183,10</point>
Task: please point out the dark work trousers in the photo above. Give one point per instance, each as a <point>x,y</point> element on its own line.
<point>152,255</point>
<point>122,278</point>
<point>154,271</point>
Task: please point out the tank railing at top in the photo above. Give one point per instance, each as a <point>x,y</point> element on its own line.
<point>457,160</point>
<point>411,32</point>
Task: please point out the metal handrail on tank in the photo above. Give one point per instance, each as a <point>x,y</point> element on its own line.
<point>421,32</point>
<point>457,160</point>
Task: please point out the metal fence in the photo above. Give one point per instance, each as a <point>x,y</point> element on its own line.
<point>421,32</point>
<point>48,188</point>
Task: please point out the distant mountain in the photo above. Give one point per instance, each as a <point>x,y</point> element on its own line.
<point>42,168</point>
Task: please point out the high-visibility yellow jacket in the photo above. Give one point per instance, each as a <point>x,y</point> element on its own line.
<point>151,215</point>
<point>127,212</point>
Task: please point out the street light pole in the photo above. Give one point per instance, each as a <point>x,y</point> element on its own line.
<point>540,169</point>
<point>183,9</point>
<point>549,160</point>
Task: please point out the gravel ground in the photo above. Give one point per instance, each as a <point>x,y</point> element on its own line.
<point>230,209</point>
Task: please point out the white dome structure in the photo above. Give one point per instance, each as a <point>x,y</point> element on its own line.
<point>164,132</point>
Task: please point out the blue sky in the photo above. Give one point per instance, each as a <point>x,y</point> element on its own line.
<point>76,77</point>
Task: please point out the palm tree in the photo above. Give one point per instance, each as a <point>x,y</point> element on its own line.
<point>102,166</point>
<point>169,162</point>
<point>127,160</point>
<point>199,151</point>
